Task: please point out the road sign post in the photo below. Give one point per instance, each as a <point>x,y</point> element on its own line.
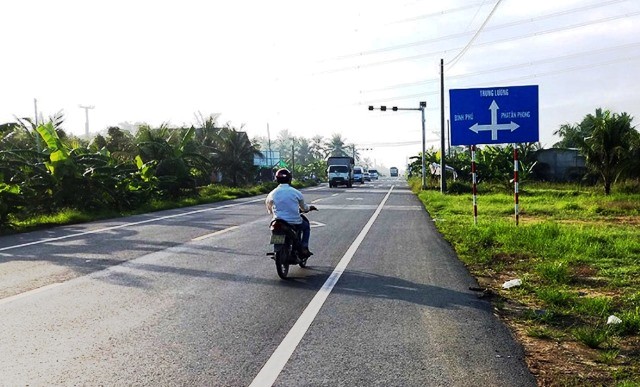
<point>494,115</point>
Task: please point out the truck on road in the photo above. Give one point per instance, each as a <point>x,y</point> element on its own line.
<point>340,171</point>
<point>393,171</point>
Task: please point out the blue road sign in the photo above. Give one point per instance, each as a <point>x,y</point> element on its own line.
<point>494,115</point>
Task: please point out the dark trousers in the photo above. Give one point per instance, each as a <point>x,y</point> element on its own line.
<point>305,228</point>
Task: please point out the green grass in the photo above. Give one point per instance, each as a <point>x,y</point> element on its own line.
<point>541,332</point>
<point>592,337</point>
<point>556,272</point>
<point>208,194</point>
<point>609,357</point>
<point>577,251</point>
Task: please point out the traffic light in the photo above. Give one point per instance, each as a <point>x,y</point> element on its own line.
<point>383,108</point>
<point>395,108</point>
<point>370,107</point>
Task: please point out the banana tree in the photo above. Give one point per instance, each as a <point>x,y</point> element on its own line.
<point>175,166</point>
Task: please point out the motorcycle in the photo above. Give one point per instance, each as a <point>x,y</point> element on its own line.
<point>286,246</point>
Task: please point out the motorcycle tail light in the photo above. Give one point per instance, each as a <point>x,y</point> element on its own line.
<point>277,226</point>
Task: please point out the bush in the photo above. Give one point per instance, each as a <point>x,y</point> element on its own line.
<point>628,187</point>
<point>458,187</point>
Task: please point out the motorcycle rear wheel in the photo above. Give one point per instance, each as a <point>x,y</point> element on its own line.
<point>282,263</point>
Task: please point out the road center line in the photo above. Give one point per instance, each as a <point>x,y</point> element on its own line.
<point>272,368</point>
<point>201,237</point>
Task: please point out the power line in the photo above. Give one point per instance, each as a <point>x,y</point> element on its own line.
<point>396,144</point>
<point>510,39</point>
<point>464,50</point>
<point>441,13</point>
<point>474,16</point>
<point>510,67</point>
<point>570,69</point>
<point>531,76</point>
<point>375,51</point>
<point>494,28</point>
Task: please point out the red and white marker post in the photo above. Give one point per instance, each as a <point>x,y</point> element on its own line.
<point>515,182</point>
<point>475,182</point>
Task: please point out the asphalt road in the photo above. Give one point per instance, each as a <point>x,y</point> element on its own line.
<point>188,297</point>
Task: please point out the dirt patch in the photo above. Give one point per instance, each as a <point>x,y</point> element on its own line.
<point>553,355</point>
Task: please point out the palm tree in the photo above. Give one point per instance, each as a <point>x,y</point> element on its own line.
<point>303,151</point>
<point>121,144</point>
<point>570,135</point>
<point>608,149</point>
<point>336,146</point>
<point>234,157</point>
<point>317,148</point>
<point>284,143</point>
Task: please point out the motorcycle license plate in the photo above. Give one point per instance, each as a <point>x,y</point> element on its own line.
<point>277,239</point>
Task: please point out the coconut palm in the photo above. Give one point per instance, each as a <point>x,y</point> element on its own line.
<point>336,146</point>
<point>234,157</point>
<point>317,148</point>
<point>608,148</point>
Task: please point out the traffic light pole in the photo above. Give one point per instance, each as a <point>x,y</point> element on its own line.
<point>423,106</point>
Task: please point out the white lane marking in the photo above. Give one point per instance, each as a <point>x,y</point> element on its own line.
<point>201,237</point>
<point>124,267</point>
<point>272,368</point>
<point>335,194</point>
<point>313,224</point>
<point>317,200</point>
<point>126,225</point>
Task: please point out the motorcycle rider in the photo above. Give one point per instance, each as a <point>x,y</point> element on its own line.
<point>285,203</point>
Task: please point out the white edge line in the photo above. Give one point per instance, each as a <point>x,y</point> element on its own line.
<point>29,293</point>
<point>272,368</point>
<point>201,237</point>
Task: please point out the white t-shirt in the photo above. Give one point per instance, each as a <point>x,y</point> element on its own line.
<point>285,202</point>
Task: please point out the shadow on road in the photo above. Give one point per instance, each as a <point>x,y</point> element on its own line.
<point>369,285</point>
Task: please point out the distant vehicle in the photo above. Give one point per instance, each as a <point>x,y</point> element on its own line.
<point>340,171</point>
<point>393,171</point>
<point>367,176</point>
<point>358,175</point>
<point>373,173</point>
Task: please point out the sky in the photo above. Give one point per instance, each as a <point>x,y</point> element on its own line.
<point>313,68</point>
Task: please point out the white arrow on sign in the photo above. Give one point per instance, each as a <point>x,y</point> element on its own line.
<point>494,127</point>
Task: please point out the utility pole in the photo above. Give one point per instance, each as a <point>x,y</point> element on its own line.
<point>423,106</point>
<point>448,139</point>
<point>86,122</point>
<point>443,170</point>
<point>35,106</point>
<point>270,155</point>
<point>353,151</point>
